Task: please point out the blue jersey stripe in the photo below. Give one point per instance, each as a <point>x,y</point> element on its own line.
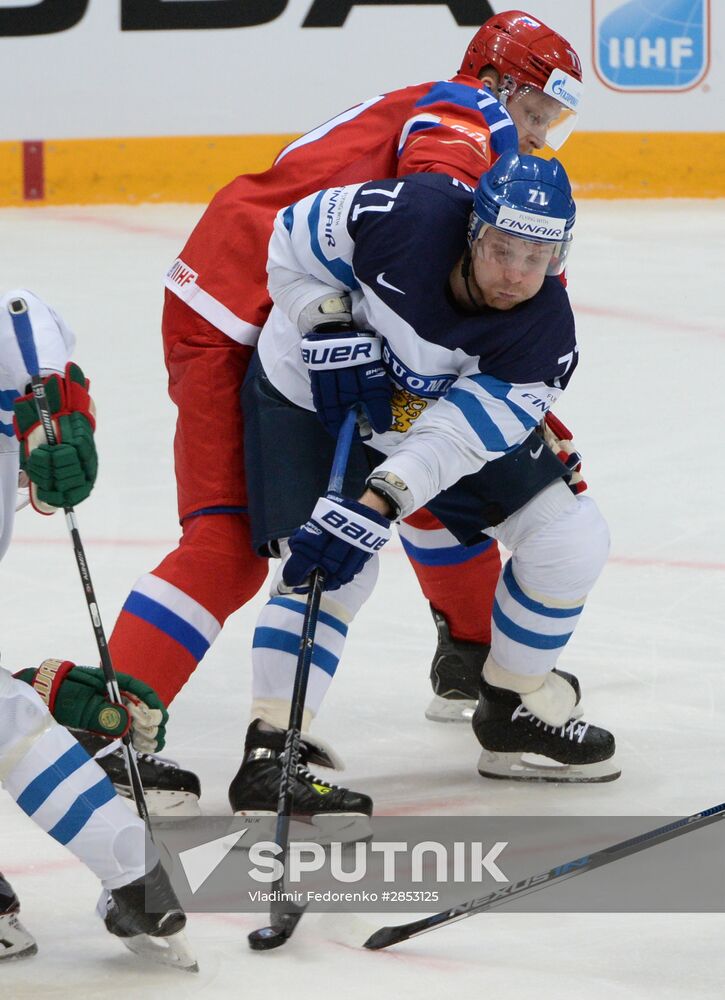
<point>82,810</point>
<point>323,616</point>
<point>215,510</point>
<point>500,390</point>
<point>524,635</point>
<point>6,429</point>
<point>45,783</point>
<point>504,137</point>
<point>288,218</point>
<point>167,621</point>
<point>7,398</point>
<point>526,602</point>
<point>452,555</point>
<point>337,268</point>
<point>480,422</point>
<point>289,642</point>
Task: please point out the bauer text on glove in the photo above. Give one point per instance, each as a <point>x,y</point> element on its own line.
<point>339,538</point>
<point>345,369</point>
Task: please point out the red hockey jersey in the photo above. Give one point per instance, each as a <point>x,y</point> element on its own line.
<point>454,127</point>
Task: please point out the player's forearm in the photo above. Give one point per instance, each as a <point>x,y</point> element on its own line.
<point>294,276</point>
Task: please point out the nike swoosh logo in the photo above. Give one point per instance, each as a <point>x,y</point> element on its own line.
<point>535,454</point>
<point>386,284</point>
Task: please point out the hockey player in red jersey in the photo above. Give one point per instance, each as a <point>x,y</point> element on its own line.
<point>518,87</point>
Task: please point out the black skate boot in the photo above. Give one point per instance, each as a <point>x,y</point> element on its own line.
<point>335,813</point>
<point>169,790</point>
<point>455,675</point>
<point>15,940</point>
<point>156,932</point>
<point>518,745</point>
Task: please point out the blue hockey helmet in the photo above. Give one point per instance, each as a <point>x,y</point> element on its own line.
<point>526,197</point>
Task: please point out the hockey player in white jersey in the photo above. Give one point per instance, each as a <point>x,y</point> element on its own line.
<point>439,311</point>
<point>43,768</point>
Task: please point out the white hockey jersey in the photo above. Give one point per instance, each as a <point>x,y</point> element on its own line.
<point>468,387</point>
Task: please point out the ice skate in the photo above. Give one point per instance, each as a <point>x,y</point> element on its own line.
<point>320,810</point>
<point>520,746</point>
<point>455,675</point>
<point>169,789</point>
<point>15,941</point>
<point>156,934</point>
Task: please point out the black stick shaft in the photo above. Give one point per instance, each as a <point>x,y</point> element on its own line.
<point>291,754</point>
<point>23,330</point>
<point>386,936</point>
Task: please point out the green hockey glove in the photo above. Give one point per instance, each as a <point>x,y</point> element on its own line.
<point>63,474</point>
<point>78,699</point>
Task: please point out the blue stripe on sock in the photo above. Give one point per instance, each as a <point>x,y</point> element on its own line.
<point>453,555</point>
<point>35,794</point>
<point>526,602</point>
<point>82,810</point>
<point>288,642</point>
<point>525,636</point>
<point>167,621</point>
<point>323,616</point>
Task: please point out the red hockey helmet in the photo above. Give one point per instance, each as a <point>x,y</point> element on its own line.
<point>528,54</point>
<point>517,44</point>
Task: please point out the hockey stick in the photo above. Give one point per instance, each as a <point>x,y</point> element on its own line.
<point>386,936</point>
<point>22,326</point>
<point>284,917</point>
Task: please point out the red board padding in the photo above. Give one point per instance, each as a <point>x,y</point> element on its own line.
<point>33,171</point>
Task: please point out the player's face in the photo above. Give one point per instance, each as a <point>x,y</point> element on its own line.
<point>533,113</point>
<point>507,269</point>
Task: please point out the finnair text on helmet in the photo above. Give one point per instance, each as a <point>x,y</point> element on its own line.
<point>539,227</point>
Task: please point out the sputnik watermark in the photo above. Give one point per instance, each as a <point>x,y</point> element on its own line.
<point>426,861</point>
<point>459,862</point>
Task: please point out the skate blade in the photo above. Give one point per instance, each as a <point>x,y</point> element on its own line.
<point>536,767</point>
<point>162,803</point>
<point>262,826</point>
<point>349,828</point>
<point>450,710</point>
<point>15,942</point>
<point>172,951</point>
<point>322,828</point>
<point>17,956</point>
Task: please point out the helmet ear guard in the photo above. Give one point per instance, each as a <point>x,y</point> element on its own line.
<point>528,198</point>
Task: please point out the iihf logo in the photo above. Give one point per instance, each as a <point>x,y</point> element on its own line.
<point>651,45</point>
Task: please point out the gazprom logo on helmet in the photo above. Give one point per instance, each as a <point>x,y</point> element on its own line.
<point>565,88</point>
<point>530,226</point>
<point>651,44</point>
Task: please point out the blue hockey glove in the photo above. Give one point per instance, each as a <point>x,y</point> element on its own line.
<point>339,538</point>
<point>345,369</point>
